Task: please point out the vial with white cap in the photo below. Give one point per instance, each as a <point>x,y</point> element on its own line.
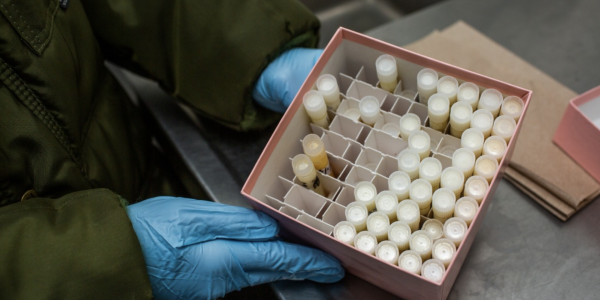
<point>483,120</point>
<point>369,110</point>
<point>431,170</point>
<point>490,100</point>
<point>388,252</point>
<point>421,243</point>
<point>466,208</point>
<point>316,109</point>
<point>410,261</point>
<point>387,72</point>
<point>356,214</point>
<point>420,142</point>
<point>476,187</point>
<point>469,92</point>
<point>307,174</point>
<point>392,129</point>
<point>353,114</point>
<point>512,106</point>
<point>464,159</point>
<point>443,250</point>
<point>433,227</point>
<point>399,233</point>
<point>386,202</point>
<point>399,183</point>
<point>455,229</point>
<point>378,223</point>
<point>504,127</point>
<point>453,179</point>
<point>438,111</point>
<point>486,167</point>
<point>366,241</point>
<point>443,204</point>
<point>472,139</point>
<point>460,118</point>
<point>433,270</point>
<point>408,212</point>
<point>420,192</point>
<point>409,123</point>
<point>495,146</point>
<point>409,161</point>
<point>315,149</point>
<point>426,84</point>
<point>448,86</point>
<point>365,193</point>
<point>327,85</point>
<point>345,232</point>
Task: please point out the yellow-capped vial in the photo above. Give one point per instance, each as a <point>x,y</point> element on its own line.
<point>486,167</point>
<point>307,174</point>
<point>315,149</point>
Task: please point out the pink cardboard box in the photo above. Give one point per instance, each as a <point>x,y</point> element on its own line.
<point>578,133</point>
<point>357,153</point>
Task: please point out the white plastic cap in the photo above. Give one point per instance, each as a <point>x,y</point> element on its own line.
<point>408,211</point>
<point>443,250</point>
<point>486,167</point>
<point>409,161</point>
<point>409,123</point>
<point>460,115</point>
<point>327,84</point>
<point>312,145</point>
<point>421,243</point>
<point>388,252</point>
<point>469,92</point>
<point>434,228</point>
<point>453,178</point>
<point>427,78</point>
<point>466,208</point>
<point>357,213</point>
<point>365,193</point>
<point>399,232</point>
<point>399,184</point>
<point>464,159</point>
<point>512,107</point>
<point>392,129</point>
<point>378,223</point>
<point>433,270</point>
<point>386,202</point>
<point>369,109</point>
<point>476,187</point>
<point>420,142</point>
<point>345,232</point>
<point>504,127</point>
<point>472,139</point>
<point>366,241</point>
<point>455,229</point>
<point>303,168</point>
<point>483,120</point>
<point>443,203</point>
<point>386,68</point>
<point>448,86</point>
<point>421,192</point>
<point>431,170</point>
<point>315,105</point>
<point>410,261</point>
<point>490,100</point>
<point>495,146</point>
<point>438,108</point>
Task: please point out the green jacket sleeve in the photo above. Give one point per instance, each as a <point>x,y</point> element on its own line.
<point>80,246</point>
<point>209,54</point>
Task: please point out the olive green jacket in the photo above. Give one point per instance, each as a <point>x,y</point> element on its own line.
<point>68,131</point>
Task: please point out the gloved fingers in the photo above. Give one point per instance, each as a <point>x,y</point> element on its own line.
<point>182,221</point>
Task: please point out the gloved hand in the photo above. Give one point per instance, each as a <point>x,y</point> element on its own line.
<point>283,77</point>
<point>202,250</point>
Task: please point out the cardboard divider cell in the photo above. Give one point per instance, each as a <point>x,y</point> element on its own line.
<point>334,214</point>
<point>388,103</point>
<point>386,118</point>
<point>448,145</point>
<point>273,202</point>
<point>305,200</point>
<point>358,174</point>
<point>344,83</point>
<point>401,107</point>
<point>364,133</point>
<point>334,143</point>
<point>346,127</point>
<point>359,89</point>
<point>398,90</point>
<point>385,143</point>
<point>315,223</point>
<point>410,95</point>
<point>353,151</point>
<point>369,159</point>
<point>330,185</point>
<point>360,75</point>
<point>338,165</point>
<point>444,160</point>
<point>290,210</point>
<point>435,137</point>
<point>345,105</point>
<point>419,110</point>
<point>380,183</point>
<point>318,130</point>
<point>387,166</point>
<point>346,196</point>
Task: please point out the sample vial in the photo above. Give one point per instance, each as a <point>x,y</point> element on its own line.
<point>420,192</point>
<point>486,167</point>
<point>426,84</point>
<point>365,193</point>
<point>410,261</point>
<point>469,92</point>
<point>399,184</point>
<point>453,178</point>
<point>421,243</point>
<point>430,169</point>
<point>483,120</point>
<point>476,187</point>
<point>409,123</point>
<point>345,232</point>
<point>315,150</point>
<point>305,171</point>
<point>316,109</point>
<point>356,214</point>
<point>512,107</point>
<point>443,250</point>
<point>464,159</point>
<point>443,204</point>
<point>386,202</point>
<point>495,146</point>
<point>448,86</point>
<point>409,161</point>
<point>388,252</point>
<point>327,85</point>
<point>455,229</point>
<point>490,100</point>
<point>399,233</point>
<point>438,111</point>
<point>466,208</point>
<point>369,110</point>
<point>420,142</point>
<point>460,118</point>
<point>504,127</point>
<point>366,241</point>
<point>433,270</point>
<point>387,72</point>
<point>408,212</point>
<point>472,139</point>
<point>433,227</point>
<point>378,223</point>
<point>392,129</point>
<point>353,114</point>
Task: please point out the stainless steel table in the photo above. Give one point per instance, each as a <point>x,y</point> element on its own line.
<point>521,250</point>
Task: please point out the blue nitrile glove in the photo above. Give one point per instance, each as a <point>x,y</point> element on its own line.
<point>198,249</point>
<point>283,77</point>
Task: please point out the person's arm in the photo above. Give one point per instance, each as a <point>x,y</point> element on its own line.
<point>79,246</point>
<point>209,54</point>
